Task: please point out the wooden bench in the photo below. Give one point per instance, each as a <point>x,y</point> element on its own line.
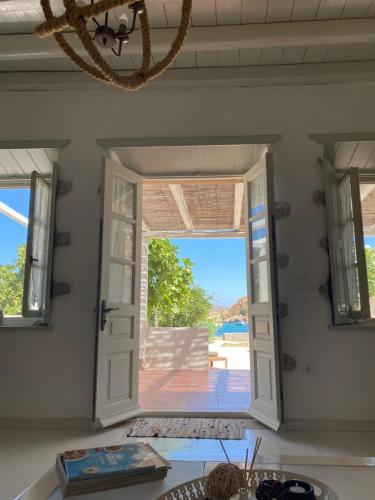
<point>212,357</point>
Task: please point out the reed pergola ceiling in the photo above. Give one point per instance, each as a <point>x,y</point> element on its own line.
<point>193,208</point>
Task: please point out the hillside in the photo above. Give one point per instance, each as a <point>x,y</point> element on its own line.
<point>237,312</point>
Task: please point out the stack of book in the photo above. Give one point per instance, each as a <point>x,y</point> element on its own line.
<point>97,469</point>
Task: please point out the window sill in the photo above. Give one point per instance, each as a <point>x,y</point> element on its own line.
<point>14,323</point>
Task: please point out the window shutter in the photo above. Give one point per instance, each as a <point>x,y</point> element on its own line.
<point>364,310</point>
<point>39,247</point>
<point>346,248</point>
<point>336,252</point>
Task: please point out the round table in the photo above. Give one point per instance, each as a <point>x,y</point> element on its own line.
<point>195,489</point>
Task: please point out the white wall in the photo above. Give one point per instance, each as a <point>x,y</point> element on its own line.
<point>49,374</point>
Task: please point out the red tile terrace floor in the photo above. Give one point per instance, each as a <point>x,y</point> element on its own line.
<point>195,390</point>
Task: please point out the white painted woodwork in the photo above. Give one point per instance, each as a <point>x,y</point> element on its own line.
<point>117,360</point>
<point>254,11</point>
<point>179,198</point>
<point>238,204</point>
<point>204,13</point>
<point>22,162</point>
<point>293,55</point>
<point>20,16</point>
<point>303,10</point>
<point>207,59</point>
<point>279,10</point>
<point>359,154</point>
<point>210,38</point>
<point>185,160</point>
<point>228,11</point>
<point>242,76</point>
<point>338,52</point>
<point>331,9</point>
<point>250,57</point>
<point>13,214</point>
<point>262,294</point>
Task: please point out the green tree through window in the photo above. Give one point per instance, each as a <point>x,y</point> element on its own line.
<point>11,284</point>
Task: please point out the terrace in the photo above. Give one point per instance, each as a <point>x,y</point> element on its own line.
<point>196,388</point>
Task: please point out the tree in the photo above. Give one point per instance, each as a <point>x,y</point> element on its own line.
<point>173,298</point>
<point>370,264</point>
<point>11,284</point>
<point>193,311</point>
<point>169,281</point>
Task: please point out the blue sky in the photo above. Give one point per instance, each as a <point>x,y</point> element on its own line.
<point>370,241</point>
<point>12,233</point>
<point>220,266</point>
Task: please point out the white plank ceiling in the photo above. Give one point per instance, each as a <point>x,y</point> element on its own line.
<point>354,154</point>
<point>191,160</point>
<point>21,162</point>
<point>21,16</point>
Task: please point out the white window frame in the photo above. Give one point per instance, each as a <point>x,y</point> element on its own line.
<point>357,177</point>
<point>37,318</point>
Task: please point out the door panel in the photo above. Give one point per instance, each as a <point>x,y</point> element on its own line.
<point>116,395</point>
<point>262,294</point>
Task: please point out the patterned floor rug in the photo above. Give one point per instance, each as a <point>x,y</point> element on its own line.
<point>208,428</point>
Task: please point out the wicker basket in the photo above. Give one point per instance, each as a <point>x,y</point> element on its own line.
<point>195,489</point>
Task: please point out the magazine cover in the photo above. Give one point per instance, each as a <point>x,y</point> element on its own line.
<point>96,462</point>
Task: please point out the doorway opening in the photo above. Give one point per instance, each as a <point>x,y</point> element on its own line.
<point>234,199</point>
<point>195,347</point>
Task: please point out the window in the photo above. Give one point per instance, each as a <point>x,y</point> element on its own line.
<point>26,228</point>
<point>350,211</point>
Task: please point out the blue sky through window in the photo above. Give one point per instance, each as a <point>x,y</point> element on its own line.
<point>370,241</point>
<point>220,266</point>
<point>12,233</point>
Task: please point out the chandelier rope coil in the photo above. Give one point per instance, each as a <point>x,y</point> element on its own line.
<point>76,17</point>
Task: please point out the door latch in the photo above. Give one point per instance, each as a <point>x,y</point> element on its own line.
<point>104,311</point>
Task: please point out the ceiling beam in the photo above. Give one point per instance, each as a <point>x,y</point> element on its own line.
<point>13,214</point>
<point>208,38</point>
<point>251,76</point>
<point>238,204</point>
<point>179,197</point>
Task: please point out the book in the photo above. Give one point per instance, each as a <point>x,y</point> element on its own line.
<point>96,469</point>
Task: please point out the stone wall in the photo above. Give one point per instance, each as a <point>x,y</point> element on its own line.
<point>176,349</point>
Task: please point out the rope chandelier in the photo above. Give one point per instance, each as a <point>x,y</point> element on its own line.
<point>76,16</point>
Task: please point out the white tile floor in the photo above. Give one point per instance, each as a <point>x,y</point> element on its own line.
<point>27,454</point>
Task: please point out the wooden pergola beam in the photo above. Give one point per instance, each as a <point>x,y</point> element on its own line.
<point>208,180</point>
<point>13,214</point>
<point>238,204</point>
<point>196,234</point>
<point>179,197</point>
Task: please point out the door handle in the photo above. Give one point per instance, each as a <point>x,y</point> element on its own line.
<point>103,314</point>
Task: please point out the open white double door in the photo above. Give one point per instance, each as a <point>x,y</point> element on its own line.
<point>118,325</point>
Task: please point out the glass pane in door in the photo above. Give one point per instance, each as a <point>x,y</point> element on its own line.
<point>260,282</point>
<point>256,196</point>
<point>120,283</point>
<point>123,197</point>
<point>122,239</point>
<point>258,238</point>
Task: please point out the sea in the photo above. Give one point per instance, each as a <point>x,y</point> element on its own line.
<point>235,327</point>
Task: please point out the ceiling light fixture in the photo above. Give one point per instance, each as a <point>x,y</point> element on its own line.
<point>76,16</point>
